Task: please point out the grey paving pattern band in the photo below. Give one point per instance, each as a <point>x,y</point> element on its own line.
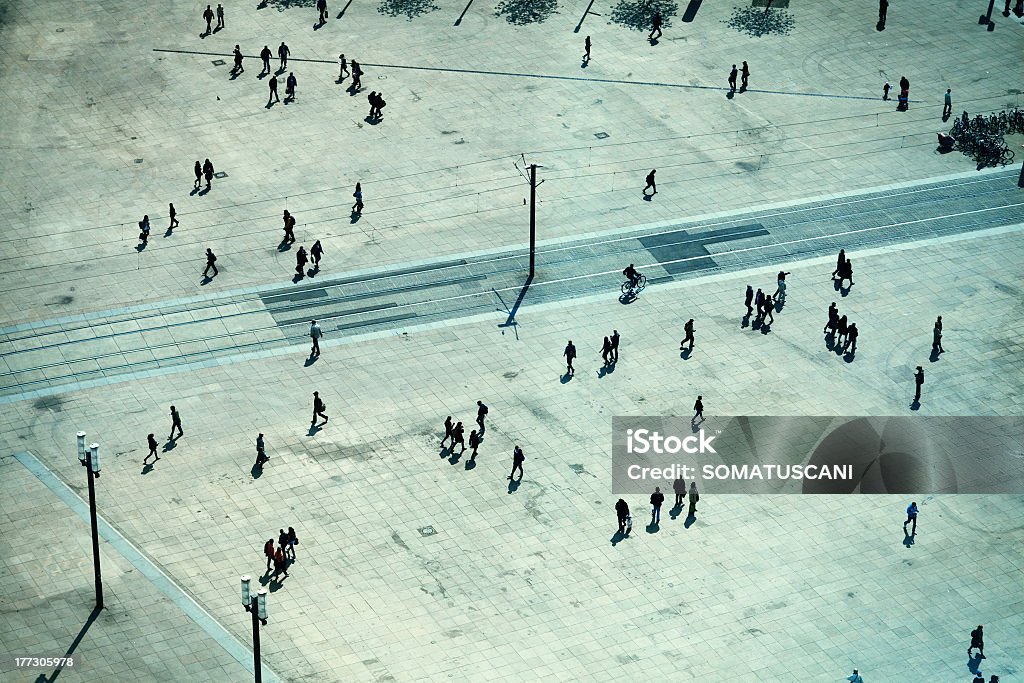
<point>156,576</point>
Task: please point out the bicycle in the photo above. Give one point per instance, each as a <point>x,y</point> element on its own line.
<point>631,289</point>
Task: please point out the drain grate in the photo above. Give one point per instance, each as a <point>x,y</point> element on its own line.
<point>427,531</point>
<point>774,4</point>
<point>601,136</point>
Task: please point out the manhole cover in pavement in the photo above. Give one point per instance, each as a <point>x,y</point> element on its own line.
<point>220,174</point>
<point>138,161</point>
<point>427,531</point>
<point>601,136</point>
<point>219,62</point>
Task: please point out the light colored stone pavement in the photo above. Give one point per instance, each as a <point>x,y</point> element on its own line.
<point>524,584</point>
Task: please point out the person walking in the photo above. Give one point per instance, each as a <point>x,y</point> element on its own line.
<point>211,262</point>
<point>851,338</point>
<point>343,64</point>
<point>474,444</point>
<point>449,428</point>
<point>747,298</point>
<point>977,641</point>
<point>918,381</point>
<point>280,564</point>
<point>912,519</point>
<point>759,303</point>
<point>357,77</point>
<point>319,409</point>
<point>289,87</point>
<point>586,50</point>
<point>273,97</point>
<point>679,487</point>
<point>144,230</point>
<point>481,414</point>
<point>769,308</point>
<point>315,333</point>
<point>265,55</point>
<point>657,499</point>
<point>846,272</point>
<point>174,217</point>
<point>570,354</point>
<point>655,26</point>
<point>261,451</point>
<point>199,174</point>
<point>744,76</point>
<point>650,183</point>
<point>517,462</point>
<point>615,346</point>
<point>151,440</point>
<point>301,259</point>
<point>855,677</point>
<point>833,319</point>
<point>698,410</point>
<point>268,550</point>
<point>293,540</point>
<point>694,497</point>
<point>175,424</point>
<point>208,15</point>
<point>732,79</point>
<point>289,228</point>
<point>883,9</point>
<point>282,541</point>
<point>220,16</point>
<point>208,172</point>
<point>459,437</point>
<point>937,336</point>
<point>780,291</point>
<point>622,514</point>
<point>357,208</point>
<point>842,329</point>
<point>688,330</point>
<point>238,61</point>
<point>840,263</point>
<point>321,5</point>
<point>947,105</point>
<point>606,350</point>
<point>282,55</point>
<point>316,252</point>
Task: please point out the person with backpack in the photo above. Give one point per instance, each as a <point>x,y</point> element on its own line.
<point>622,514</point>
<point>517,462</point>
<point>144,230</point>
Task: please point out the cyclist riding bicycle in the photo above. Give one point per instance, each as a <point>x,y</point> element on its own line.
<point>631,273</point>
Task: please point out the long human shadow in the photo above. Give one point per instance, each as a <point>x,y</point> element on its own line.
<point>511,320</point>
<point>43,678</point>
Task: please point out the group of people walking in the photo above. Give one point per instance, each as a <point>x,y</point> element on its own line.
<point>456,433</point>
<point>283,554</point>
<point>843,330</point>
<point>625,519</point>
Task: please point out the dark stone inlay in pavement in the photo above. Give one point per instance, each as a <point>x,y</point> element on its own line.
<point>308,294</point>
<point>219,62</point>
<point>367,278</point>
<point>680,251</point>
<point>351,311</point>
<point>375,321</point>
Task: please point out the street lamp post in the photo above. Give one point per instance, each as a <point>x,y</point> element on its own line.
<point>90,460</point>
<point>256,605</point>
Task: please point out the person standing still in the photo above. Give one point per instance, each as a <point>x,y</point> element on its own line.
<point>265,55</point>
<point>211,262</point>
<point>694,497</point>
<point>744,76</point>
<point>220,16</point>
<point>208,172</point>
<point>315,333</point>
<point>615,346</point>
<point>650,183</point>
<point>622,514</point>
<point>937,336</point>
<point>282,54</point>
<point>517,462</point>
<point>911,519</point>
<point>918,381</point>
<point>570,354</point>
<point>947,106</point>
<point>657,499</point>
<point>175,424</point>
<point>732,79</point>
<point>151,441</point>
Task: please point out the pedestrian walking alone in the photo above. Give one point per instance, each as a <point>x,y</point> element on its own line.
<point>655,27</point>
<point>679,486</point>
<point>918,381</point>
<point>144,229</point>
<point>282,54</point>
<point>315,333</point>
<point>570,354</point>
<point>261,450</point>
<point>175,424</point>
<point>732,79</point>
<point>481,415</point>
<point>289,227</point>
<point>220,16</point>
<point>208,172</point>
<point>301,259</point>
<point>694,497</point>
<point>319,409</point>
<point>357,208</point>
<point>289,87</point>
<point>937,336</point>
<point>622,514</point>
<point>698,410</point>
<point>947,106</point>
<point>322,6</point>
<point>174,217</point>
<point>211,262</point>
<point>517,462</point>
<point>885,92</point>
<point>688,330</point>
<point>747,298</point>
<point>883,9</point>
<point>744,76</point>
<point>903,103</point>
<point>912,519</point>
<point>615,346</point>
<point>268,550</point>
<point>238,61</point>
<point>265,55</point>
<point>208,16</point>
<point>780,291</point>
<point>650,183</point>
<point>316,252</point>
<point>977,641</point>
<point>657,499</point>
<point>586,50</point>
<point>151,441</point>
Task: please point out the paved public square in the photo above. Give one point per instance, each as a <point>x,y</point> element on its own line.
<point>415,563</point>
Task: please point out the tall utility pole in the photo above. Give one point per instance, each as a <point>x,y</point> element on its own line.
<point>90,459</point>
<point>533,215</point>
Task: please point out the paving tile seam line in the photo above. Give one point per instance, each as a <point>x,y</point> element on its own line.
<point>805,203</point>
<point>160,580</point>
<point>482,317</point>
<point>553,77</point>
<point>132,368</point>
